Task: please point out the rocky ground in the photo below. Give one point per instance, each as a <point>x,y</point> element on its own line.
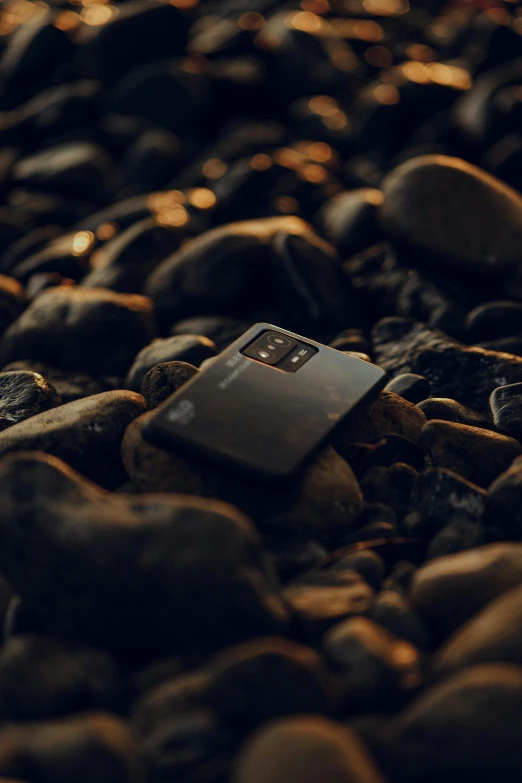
<point>168,622</point>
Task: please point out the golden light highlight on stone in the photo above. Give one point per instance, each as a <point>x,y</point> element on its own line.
<point>312,172</point>
<point>175,216</point>
<point>165,198</point>
<point>251,20</point>
<point>214,168</point>
<point>336,121</point>
<point>261,162</point>
<point>106,231</point>
<point>306,22</point>
<point>315,6</point>
<point>287,204</point>
<point>323,105</point>
<point>67,21</point>
<point>82,242</point>
<point>378,56</point>
<point>416,72</point>
<point>319,151</point>
<point>99,15</point>
<point>387,94</point>
<point>202,198</point>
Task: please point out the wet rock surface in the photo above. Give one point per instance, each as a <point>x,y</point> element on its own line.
<point>171,174</point>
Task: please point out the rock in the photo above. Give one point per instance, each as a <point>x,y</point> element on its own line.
<point>86,434</point>
<point>323,503</point>
<point>494,320</point>
<point>375,666</point>
<point>506,406</point>
<point>413,388</point>
<point>32,53</point>
<point>320,601</point>
<point>164,379</point>
<point>440,496</point>
<point>456,537</point>
<point>351,340</point>
<point>450,590</point>
<point>222,331</point>
<point>367,563</point>
<point>73,169</point>
<point>491,635</point>
<point>265,679</point>
<point>192,349</point>
<point>386,452</point>
<point>12,301</point>
<point>476,454</point>
<point>465,727</point>
<point>143,31</point>
<point>388,414</point>
<point>468,375</point>
<point>151,161</point>
<point>394,612</point>
<point>147,577</point>
<point>89,330</point>
<point>450,212</point>
<point>24,394</point>
<point>85,747</point>
<point>310,750</point>
<point>209,274</point>
<point>503,513</point>
<point>42,679</point>
<point>390,486</point>
<point>350,220</point>
<point>445,409</point>
<point>69,386</point>
<point>291,558</point>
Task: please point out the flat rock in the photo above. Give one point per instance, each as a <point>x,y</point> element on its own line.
<point>138,575</point>
<point>413,388</point>
<point>506,407</point>
<point>86,434</point>
<point>69,386</point>
<point>389,414</point>
<point>451,410</point>
<point>450,590</point>
<point>24,394</point>
<point>494,634</point>
<point>309,750</point>
<point>94,330</point>
<point>190,348</point>
<point>468,375</point>
<point>164,379</point>
<point>450,212</point>
<point>476,454</point>
<point>465,727</point>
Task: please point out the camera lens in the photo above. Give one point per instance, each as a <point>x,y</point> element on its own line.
<point>263,354</point>
<point>279,340</point>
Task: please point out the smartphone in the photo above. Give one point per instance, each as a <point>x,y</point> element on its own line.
<point>265,404</point>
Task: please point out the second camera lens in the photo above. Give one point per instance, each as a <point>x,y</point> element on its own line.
<point>279,340</point>
<point>263,354</point>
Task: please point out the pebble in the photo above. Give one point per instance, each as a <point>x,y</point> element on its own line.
<point>440,496</point>
<point>86,434</point>
<point>494,320</point>
<point>68,385</point>
<point>191,349</point>
<point>476,454</point>
<point>445,409</point>
<point>466,723</point>
<point>94,331</point>
<point>164,379</point>
<point>222,331</point>
<point>506,407</point>
<point>456,537</point>
<point>503,515</point>
<point>350,220</point>
<point>413,388</point>
<point>450,590</point>
<point>473,221</point>
<point>308,749</point>
<point>171,562</point>
<point>454,371</point>
<point>24,394</point>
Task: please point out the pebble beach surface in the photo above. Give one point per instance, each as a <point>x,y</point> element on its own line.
<point>170,174</point>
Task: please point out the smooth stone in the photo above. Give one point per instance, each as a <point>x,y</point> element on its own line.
<point>468,727</point>
<point>24,394</point>
<point>164,379</point>
<point>506,407</point>
<point>387,451</point>
<point>454,371</point>
<point>413,388</point>
<point>440,496</point>
<point>391,486</point>
<point>151,162</point>
<point>95,745</point>
<point>450,212</point>
<point>69,386</point>
<point>388,414</point>
<point>12,301</point>
<point>221,330</point>
<point>456,537</point>
<point>445,409</point>
<point>72,169</point>
<point>324,502</point>
<point>350,220</point>
<point>94,331</point>
<point>494,320</point>
<point>375,667</point>
<point>308,750</point>
<point>41,679</point>
<point>141,576</point>
<point>393,611</point>
<point>503,513</point>
<point>493,634</point>
<point>265,679</point>
<point>476,454</point>
<point>86,434</point>
<point>208,274</point>
<point>142,31</point>
<point>189,348</point>
<point>59,256</point>
<point>367,563</point>
<point>450,590</point>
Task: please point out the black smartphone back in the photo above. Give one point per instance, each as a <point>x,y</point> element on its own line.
<point>266,403</point>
